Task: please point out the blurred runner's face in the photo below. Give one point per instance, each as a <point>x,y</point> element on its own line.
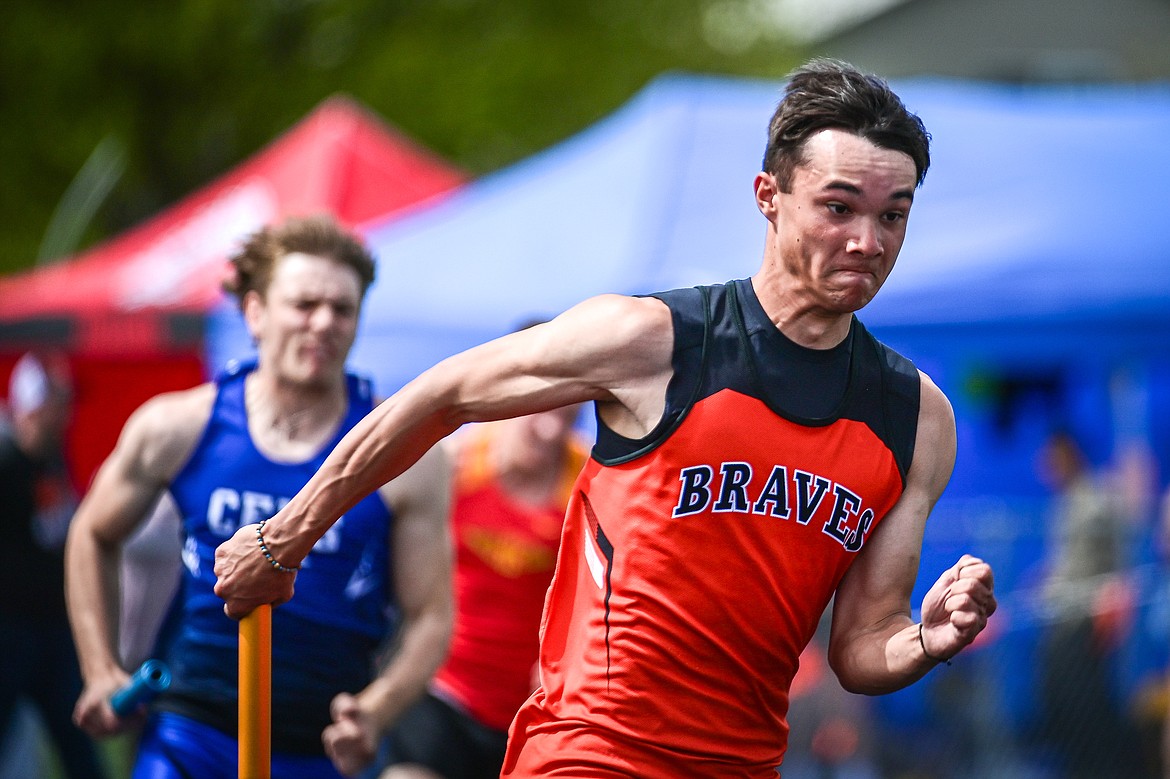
<point>537,439</point>
<point>307,321</point>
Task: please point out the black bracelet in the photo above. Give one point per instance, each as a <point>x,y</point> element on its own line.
<point>922,643</point>
<point>268,555</point>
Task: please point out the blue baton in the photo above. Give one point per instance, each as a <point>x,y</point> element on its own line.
<point>151,678</point>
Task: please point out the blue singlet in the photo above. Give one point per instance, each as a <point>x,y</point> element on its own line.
<point>325,639</point>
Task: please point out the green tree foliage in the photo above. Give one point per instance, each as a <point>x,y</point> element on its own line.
<point>185,90</point>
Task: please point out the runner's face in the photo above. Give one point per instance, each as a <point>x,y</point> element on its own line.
<point>307,321</point>
<point>841,227</point>
<point>547,431</point>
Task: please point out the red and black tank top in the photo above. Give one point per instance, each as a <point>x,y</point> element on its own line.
<point>695,562</point>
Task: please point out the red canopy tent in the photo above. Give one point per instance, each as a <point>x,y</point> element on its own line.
<point>129,313</point>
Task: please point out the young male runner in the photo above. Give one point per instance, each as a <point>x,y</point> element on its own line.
<point>230,453</point>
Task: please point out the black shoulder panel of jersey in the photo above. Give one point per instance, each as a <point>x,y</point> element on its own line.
<point>689,311</point>
<point>893,413</point>
<point>714,351</point>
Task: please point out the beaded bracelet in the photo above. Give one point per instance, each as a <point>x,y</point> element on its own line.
<point>268,555</point>
<point>922,643</point>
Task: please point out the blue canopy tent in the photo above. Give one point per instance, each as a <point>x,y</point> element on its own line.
<point>1033,285</point>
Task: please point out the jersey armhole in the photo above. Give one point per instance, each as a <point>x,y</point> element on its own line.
<point>690,313</point>
<point>901,406</point>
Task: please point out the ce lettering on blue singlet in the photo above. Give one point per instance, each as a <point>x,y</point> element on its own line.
<point>229,509</point>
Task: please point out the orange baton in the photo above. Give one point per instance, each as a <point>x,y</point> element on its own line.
<point>255,736</point>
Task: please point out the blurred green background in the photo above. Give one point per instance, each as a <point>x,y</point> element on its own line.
<point>160,98</point>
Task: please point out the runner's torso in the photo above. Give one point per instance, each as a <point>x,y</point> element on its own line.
<point>505,553</point>
<point>325,637</point>
<point>695,563</point>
